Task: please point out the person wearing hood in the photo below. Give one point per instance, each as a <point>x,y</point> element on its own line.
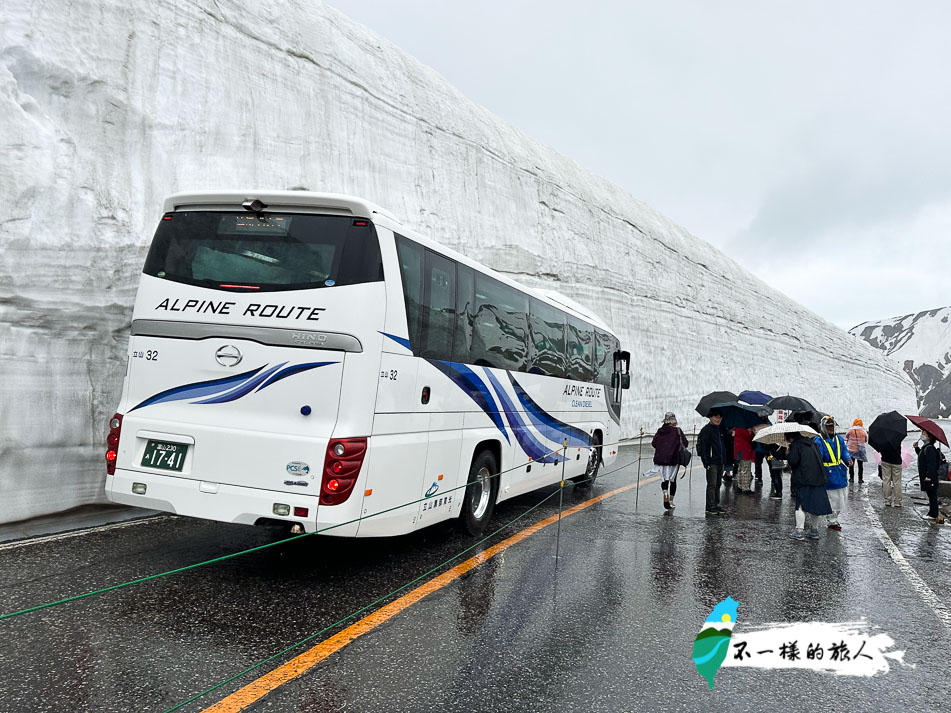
<point>667,443</point>
<point>808,482</point>
<point>928,459</point>
<point>855,439</point>
<point>836,461</point>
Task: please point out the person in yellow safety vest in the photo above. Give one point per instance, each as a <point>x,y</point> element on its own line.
<point>836,461</point>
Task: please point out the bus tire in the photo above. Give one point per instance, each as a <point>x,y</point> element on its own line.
<point>479,500</point>
<point>594,464</point>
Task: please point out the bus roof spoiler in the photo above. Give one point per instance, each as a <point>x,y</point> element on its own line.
<point>274,200</point>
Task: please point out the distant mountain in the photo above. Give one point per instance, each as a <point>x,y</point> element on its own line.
<point>921,344</point>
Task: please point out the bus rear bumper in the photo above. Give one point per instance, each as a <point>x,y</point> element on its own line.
<point>211,501</point>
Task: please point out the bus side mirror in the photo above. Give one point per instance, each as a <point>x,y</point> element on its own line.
<point>625,381</point>
<point>615,380</point>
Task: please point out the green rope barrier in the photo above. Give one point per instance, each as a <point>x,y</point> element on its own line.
<point>140,580</point>
<point>377,601</point>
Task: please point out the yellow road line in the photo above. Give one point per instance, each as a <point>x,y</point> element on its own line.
<point>299,665</point>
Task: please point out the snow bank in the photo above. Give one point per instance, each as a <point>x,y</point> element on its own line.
<point>106,107</point>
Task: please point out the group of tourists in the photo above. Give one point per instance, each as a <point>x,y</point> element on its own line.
<point>822,466</point>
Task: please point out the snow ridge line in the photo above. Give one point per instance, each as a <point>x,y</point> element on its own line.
<point>924,591</point>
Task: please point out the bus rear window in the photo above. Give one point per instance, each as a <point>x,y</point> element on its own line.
<point>264,252</point>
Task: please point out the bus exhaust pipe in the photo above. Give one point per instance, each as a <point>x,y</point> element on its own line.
<point>297,529</point>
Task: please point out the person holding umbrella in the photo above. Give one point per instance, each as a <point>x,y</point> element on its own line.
<point>776,459</point>
<point>928,459</point>
<point>713,455</point>
<point>885,435</point>
<point>833,450</point>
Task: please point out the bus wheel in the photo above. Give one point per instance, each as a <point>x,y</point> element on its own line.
<point>479,501</point>
<point>594,464</point>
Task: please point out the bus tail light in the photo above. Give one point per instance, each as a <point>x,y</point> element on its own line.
<point>112,443</point>
<point>341,467</point>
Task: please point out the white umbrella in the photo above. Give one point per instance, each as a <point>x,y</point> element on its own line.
<point>777,434</point>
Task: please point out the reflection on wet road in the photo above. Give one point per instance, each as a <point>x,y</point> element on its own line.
<point>609,626</point>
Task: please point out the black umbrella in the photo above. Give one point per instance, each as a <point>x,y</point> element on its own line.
<point>717,397</point>
<point>887,431</point>
<point>737,415</point>
<point>790,403</point>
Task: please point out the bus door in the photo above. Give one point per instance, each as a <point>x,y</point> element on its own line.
<point>438,396</point>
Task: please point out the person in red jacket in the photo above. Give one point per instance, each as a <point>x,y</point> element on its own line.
<point>744,455</point>
<point>667,443</point>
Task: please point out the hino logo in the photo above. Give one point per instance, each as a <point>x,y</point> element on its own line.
<point>228,355</point>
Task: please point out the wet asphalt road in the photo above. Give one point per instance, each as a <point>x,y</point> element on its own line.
<point>608,627</point>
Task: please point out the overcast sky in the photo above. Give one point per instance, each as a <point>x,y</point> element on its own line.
<point>811,141</point>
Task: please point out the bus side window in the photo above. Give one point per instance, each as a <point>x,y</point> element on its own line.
<point>500,328</point>
<point>548,340</point>
<point>439,312</point>
<point>465,314</point>
<point>580,348</point>
<point>603,358</point>
<point>411,271</point>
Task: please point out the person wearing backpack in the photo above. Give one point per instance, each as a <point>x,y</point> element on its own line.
<point>929,459</point>
<point>667,444</point>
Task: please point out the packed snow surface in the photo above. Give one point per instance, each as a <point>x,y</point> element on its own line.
<point>106,107</point>
<point>921,344</point>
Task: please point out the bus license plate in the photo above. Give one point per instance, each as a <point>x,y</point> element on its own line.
<point>164,455</point>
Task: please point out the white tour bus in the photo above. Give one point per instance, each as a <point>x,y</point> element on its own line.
<point>304,359</point>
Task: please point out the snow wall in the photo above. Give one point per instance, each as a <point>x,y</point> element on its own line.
<point>107,106</point>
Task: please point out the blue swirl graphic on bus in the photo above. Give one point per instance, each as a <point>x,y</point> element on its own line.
<point>471,384</point>
<point>546,424</point>
<point>230,388</point>
<point>535,450</point>
<point>402,341</point>
<point>243,389</point>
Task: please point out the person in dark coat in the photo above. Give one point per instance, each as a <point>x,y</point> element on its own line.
<point>809,482</point>
<point>667,443</point>
<point>928,459</point>
<point>712,452</point>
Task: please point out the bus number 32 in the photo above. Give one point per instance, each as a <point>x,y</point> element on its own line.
<point>391,374</point>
